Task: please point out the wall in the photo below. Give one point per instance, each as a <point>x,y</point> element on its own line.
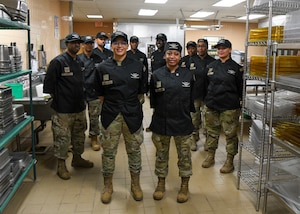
<point>41,27</point>
<point>235,32</point>
<point>89,28</point>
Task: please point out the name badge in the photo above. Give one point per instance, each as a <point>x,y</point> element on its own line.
<point>67,72</point>
<point>108,82</point>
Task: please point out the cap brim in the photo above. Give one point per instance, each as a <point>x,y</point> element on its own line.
<point>75,40</point>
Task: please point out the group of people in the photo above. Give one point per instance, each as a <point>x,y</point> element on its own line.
<point>112,83</point>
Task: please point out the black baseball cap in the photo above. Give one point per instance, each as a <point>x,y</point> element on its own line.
<point>117,34</point>
<point>101,35</point>
<point>191,43</point>
<point>88,39</point>
<point>203,40</point>
<point>161,36</point>
<point>73,37</point>
<point>173,46</point>
<point>223,42</point>
<point>134,39</point>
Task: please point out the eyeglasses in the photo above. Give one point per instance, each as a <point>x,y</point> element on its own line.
<point>123,43</point>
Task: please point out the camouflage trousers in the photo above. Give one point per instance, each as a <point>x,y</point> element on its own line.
<point>196,116</point>
<point>110,141</point>
<point>162,145</point>
<point>94,110</point>
<point>68,129</point>
<point>228,121</point>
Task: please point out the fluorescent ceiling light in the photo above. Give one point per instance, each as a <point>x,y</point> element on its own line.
<point>94,16</point>
<point>228,3</point>
<point>252,16</point>
<point>145,12</point>
<point>201,14</point>
<point>156,1</point>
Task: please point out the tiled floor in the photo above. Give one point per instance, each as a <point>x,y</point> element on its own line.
<point>210,191</point>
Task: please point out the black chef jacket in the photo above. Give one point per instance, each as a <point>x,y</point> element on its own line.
<point>120,86</point>
<point>105,54</point>
<point>89,73</point>
<point>64,79</point>
<point>171,99</point>
<point>139,56</point>
<point>198,65</point>
<point>157,60</point>
<point>223,85</point>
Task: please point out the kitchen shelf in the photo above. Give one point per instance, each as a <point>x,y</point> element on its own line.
<point>12,25</point>
<point>6,138</point>
<point>14,132</point>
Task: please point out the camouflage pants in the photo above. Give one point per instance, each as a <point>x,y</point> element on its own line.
<point>228,121</point>
<point>66,129</point>
<point>162,145</point>
<point>94,110</point>
<point>110,141</point>
<point>196,116</point>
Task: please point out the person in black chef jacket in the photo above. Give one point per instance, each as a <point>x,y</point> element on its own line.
<point>171,99</point>
<point>121,84</point>
<point>223,89</point>
<point>64,82</point>
<point>91,61</point>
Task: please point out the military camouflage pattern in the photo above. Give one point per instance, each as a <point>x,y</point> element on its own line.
<point>184,163</point>
<point>94,110</point>
<point>110,141</point>
<point>196,116</point>
<point>228,121</point>
<point>68,129</point>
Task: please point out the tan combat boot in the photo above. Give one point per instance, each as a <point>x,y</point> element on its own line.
<point>210,159</point>
<point>78,161</point>
<point>107,190</point>
<point>62,171</point>
<point>160,189</point>
<point>183,194</point>
<point>228,165</point>
<point>136,190</point>
<point>95,143</point>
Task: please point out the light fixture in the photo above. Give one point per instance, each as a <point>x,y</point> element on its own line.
<point>227,3</point>
<point>146,12</point>
<point>94,16</point>
<point>201,14</point>
<point>156,1</point>
<point>252,16</point>
<point>202,27</point>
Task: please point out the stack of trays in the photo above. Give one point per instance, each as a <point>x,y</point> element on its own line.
<point>255,136</point>
<point>15,172</point>
<point>6,110</point>
<point>15,58</point>
<point>5,169</point>
<point>292,27</point>
<point>18,113</point>
<point>5,62</point>
<point>22,159</point>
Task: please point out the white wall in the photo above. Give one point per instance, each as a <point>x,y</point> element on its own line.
<point>147,33</point>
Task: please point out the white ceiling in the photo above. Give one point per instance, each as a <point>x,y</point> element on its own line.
<point>118,10</point>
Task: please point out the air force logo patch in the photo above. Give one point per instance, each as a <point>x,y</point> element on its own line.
<point>186,84</point>
<point>134,76</point>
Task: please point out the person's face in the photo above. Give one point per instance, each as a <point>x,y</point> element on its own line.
<point>73,47</point>
<point>101,41</point>
<point>201,48</point>
<point>88,47</point>
<point>119,47</point>
<point>191,50</point>
<point>172,58</point>
<point>160,44</point>
<point>134,45</point>
<point>223,52</point>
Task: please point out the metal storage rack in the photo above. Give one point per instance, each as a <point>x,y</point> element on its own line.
<point>285,188</point>
<point>256,177</point>
<point>6,138</point>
